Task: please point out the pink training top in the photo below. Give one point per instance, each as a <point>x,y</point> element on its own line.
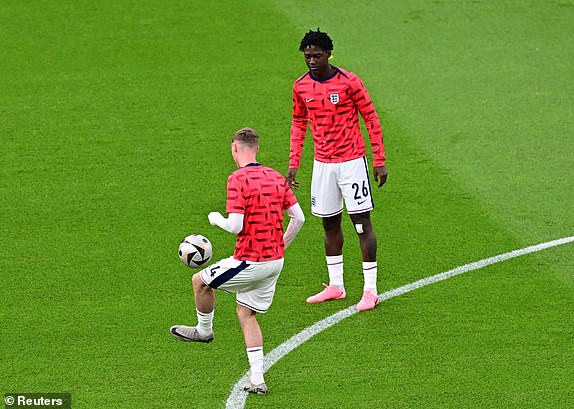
<point>332,105</point>
<point>261,194</point>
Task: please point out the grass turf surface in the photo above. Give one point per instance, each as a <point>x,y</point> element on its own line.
<point>115,120</point>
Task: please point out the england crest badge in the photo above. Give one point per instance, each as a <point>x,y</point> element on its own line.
<point>334,98</point>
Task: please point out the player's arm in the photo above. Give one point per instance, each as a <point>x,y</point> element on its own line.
<point>295,224</point>
<point>363,101</point>
<point>233,224</point>
<point>297,137</point>
<point>235,207</point>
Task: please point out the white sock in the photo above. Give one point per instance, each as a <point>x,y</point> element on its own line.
<point>370,275</point>
<point>204,322</point>
<point>335,268</point>
<point>255,356</point>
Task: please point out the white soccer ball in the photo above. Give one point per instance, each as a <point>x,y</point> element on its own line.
<point>195,251</point>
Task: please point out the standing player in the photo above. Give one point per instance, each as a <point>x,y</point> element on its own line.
<point>256,198</point>
<point>331,99</point>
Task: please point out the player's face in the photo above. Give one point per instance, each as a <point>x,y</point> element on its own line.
<point>317,60</point>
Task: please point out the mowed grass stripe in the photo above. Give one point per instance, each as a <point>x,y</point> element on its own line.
<point>237,397</point>
<point>117,142</point>
<point>117,136</point>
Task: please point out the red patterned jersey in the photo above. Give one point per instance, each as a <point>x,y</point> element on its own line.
<point>261,194</point>
<point>332,106</point>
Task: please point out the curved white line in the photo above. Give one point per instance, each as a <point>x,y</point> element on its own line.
<point>237,398</point>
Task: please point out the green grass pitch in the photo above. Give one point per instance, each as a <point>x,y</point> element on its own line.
<point>115,123</point>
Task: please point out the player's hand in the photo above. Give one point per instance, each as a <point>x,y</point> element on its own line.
<point>291,174</point>
<point>380,173</point>
<point>214,218</point>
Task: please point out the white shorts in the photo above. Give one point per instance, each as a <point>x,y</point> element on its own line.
<point>254,282</point>
<point>333,182</point>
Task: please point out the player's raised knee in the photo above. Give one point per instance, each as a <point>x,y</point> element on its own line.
<point>196,280</point>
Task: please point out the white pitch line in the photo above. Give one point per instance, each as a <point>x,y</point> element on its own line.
<point>238,397</point>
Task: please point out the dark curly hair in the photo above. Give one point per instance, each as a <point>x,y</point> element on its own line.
<point>316,39</point>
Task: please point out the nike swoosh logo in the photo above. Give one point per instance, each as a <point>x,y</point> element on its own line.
<point>308,99</point>
<point>177,334</point>
<point>360,203</point>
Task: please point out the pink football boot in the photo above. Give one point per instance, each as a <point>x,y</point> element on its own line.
<point>331,292</point>
<point>368,302</point>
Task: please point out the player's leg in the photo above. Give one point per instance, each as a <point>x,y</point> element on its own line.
<point>356,190</point>
<point>367,236</point>
<point>204,306</point>
<point>250,327</point>
<point>219,275</point>
<point>334,253</point>
<point>368,242</point>
<point>254,345</point>
<point>257,299</point>
<point>334,257</point>
<point>327,203</point>
<point>333,235</point>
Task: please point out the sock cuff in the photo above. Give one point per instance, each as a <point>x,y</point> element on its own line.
<point>334,259</point>
<point>204,314</point>
<point>253,350</point>
<point>369,265</point>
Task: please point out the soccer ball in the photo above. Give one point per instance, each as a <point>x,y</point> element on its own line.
<point>195,251</point>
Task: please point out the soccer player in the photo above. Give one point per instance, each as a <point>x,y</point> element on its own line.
<point>331,98</point>
<point>256,199</point>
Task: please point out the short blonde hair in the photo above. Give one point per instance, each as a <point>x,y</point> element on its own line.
<point>247,137</point>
